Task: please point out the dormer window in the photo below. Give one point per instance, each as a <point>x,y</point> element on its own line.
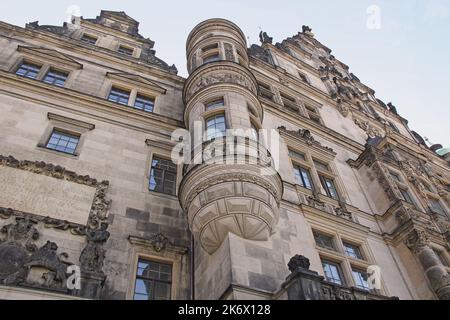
<point>126,51</point>
<point>89,39</point>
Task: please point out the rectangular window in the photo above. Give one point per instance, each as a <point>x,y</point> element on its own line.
<point>266,91</point>
<point>436,207</point>
<point>333,272</point>
<point>297,155</point>
<point>89,39</point>
<point>303,177</point>
<point>360,278</point>
<point>163,176</point>
<point>63,142</point>
<point>210,47</point>
<point>119,96</point>
<point>215,127</point>
<point>146,104</point>
<point>126,51</point>
<point>56,78</point>
<point>153,281</point>
<point>211,58</point>
<point>219,103</point>
<point>353,251</point>
<point>321,166</point>
<point>329,187</point>
<point>324,241</point>
<point>406,196</point>
<point>28,70</point>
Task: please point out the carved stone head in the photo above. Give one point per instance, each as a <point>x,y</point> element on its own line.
<point>299,262</point>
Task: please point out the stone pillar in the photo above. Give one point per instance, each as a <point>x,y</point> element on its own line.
<point>436,273</point>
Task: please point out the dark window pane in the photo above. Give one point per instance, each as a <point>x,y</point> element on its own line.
<point>119,96</point>
<point>329,187</point>
<point>153,281</point>
<point>89,39</point>
<point>163,176</point>
<point>324,241</point>
<point>303,177</point>
<point>28,70</point>
<point>332,272</point>
<point>215,104</point>
<point>63,142</point>
<point>126,51</point>
<point>360,278</point>
<point>56,78</point>
<point>144,103</point>
<point>353,251</point>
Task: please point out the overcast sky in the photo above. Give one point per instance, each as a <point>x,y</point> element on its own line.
<point>404,56</point>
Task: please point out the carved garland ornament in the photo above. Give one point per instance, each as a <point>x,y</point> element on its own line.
<point>93,254</point>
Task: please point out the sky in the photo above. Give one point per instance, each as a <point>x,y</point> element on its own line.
<point>399,48</point>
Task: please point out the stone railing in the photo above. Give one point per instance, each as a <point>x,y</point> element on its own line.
<point>304,284</point>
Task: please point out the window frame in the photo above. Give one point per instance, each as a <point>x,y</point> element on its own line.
<point>29,63</point>
<point>301,171</point>
<point>324,180</point>
<point>358,256</point>
<point>122,90</point>
<point>214,116</point>
<point>163,176</point>
<point>147,98</point>
<point>70,135</point>
<point>126,50</point>
<point>86,36</point>
<point>56,70</point>
<point>338,269</point>
<point>137,277</point>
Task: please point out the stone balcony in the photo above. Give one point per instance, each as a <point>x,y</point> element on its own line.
<point>231,192</point>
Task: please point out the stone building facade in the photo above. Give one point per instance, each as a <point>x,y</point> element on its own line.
<point>346,202</point>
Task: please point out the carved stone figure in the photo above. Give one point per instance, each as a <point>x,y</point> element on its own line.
<point>159,242</point>
<point>23,231</point>
<point>392,108</point>
<point>264,38</point>
<point>306,29</point>
<point>93,255</point>
<point>47,257</point>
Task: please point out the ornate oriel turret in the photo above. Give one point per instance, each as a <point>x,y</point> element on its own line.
<point>239,195</point>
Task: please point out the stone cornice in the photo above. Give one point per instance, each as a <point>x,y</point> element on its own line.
<point>158,243</point>
<point>305,137</point>
<point>84,50</point>
<point>74,122</point>
<point>324,132</point>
